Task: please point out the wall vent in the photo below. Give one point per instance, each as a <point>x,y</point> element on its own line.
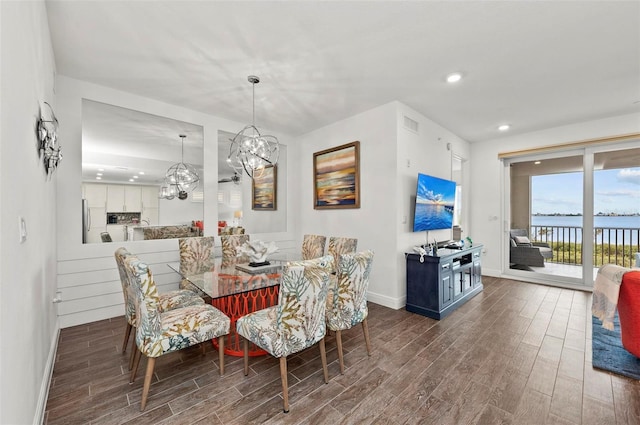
<point>410,124</point>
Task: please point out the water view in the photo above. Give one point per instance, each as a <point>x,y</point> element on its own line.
<point>614,227</point>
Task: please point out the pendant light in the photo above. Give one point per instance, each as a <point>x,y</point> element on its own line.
<point>251,151</point>
<point>182,176</point>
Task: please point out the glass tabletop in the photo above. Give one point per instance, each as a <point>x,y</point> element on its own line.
<point>231,277</point>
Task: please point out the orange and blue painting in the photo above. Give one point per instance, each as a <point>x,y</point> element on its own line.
<point>264,190</point>
<point>336,177</point>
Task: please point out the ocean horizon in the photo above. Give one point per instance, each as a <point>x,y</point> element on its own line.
<point>624,227</point>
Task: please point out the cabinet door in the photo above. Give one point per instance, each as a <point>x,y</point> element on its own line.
<point>95,194</point>
<point>446,289</point>
<point>132,199</point>
<point>149,197</point>
<point>115,198</point>
<point>467,276</point>
<point>117,232</point>
<point>458,282</point>
<point>477,269</point>
<point>446,284</point>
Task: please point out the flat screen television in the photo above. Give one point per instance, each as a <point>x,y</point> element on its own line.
<point>435,200</point>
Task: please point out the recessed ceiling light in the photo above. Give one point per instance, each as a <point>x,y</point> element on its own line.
<point>131,180</point>
<point>100,169</point>
<point>454,78</point>
<point>537,162</point>
<point>141,172</point>
<point>504,127</point>
<point>98,178</point>
<point>98,174</point>
<point>135,177</point>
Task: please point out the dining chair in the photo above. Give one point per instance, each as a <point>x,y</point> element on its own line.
<point>161,333</point>
<point>230,244</point>
<point>347,298</point>
<point>167,301</point>
<point>339,246</point>
<point>196,256</point>
<point>313,246</point>
<point>297,322</point>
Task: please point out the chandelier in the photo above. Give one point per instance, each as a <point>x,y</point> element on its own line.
<point>181,178</point>
<point>249,150</point>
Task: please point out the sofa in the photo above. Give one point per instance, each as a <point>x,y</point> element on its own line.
<point>524,252</point>
<point>629,311</point>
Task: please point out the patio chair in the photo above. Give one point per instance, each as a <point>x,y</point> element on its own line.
<point>527,253</point>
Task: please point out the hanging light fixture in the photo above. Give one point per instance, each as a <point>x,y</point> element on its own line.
<point>251,151</point>
<point>183,177</point>
<point>168,191</point>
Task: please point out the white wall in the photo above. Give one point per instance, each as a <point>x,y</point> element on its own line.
<point>387,186</point>
<point>27,270</point>
<point>87,274</point>
<point>487,177</point>
<point>429,151</point>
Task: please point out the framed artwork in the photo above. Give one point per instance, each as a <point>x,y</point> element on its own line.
<point>336,177</point>
<point>264,190</point>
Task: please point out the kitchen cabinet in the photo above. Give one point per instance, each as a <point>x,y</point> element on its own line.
<point>149,197</point>
<point>150,205</point>
<point>95,194</point>
<point>124,198</point>
<point>118,232</point>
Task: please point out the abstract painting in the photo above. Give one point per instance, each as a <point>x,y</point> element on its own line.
<point>263,193</point>
<point>336,177</point>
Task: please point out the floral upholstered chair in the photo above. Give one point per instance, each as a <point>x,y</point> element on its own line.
<point>339,246</point>
<point>313,246</point>
<point>347,300</point>
<point>196,256</point>
<point>167,301</point>
<point>161,333</point>
<point>296,323</point>
<point>230,244</point>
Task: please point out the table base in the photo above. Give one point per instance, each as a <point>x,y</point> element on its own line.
<point>238,305</point>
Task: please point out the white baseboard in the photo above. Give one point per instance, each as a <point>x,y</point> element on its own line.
<point>394,303</point>
<point>38,417</point>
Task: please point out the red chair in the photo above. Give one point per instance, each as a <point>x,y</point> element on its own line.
<point>629,312</point>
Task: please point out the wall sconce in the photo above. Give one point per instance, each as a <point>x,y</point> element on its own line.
<point>48,149</point>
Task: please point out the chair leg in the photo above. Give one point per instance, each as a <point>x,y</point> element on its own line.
<point>285,385</point>
<point>323,356</point>
<point>127,332</point>
<point>134,369</point>
<point>151,362</point>
<point>365,329</point>
<point>204,349</point>
<point>245,345</point>
<point>134,348</point>
<point>221,353</point>
<point>339,346</point>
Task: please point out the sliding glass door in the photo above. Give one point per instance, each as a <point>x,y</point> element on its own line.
<point>546,204</point>
<point>569,213</point>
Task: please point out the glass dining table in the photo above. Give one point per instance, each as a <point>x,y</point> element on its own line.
<point>237,289</point>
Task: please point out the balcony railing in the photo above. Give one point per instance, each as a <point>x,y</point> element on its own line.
<point>612,245</point>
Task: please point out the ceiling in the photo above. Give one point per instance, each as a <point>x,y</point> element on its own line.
<point>531,64</point>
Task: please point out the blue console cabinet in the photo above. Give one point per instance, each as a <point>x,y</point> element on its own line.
<point>440,284</point>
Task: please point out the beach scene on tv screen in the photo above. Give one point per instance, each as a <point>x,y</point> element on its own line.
<point>435,199</point>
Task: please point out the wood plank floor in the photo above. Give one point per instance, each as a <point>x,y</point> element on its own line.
<point>517,353</point>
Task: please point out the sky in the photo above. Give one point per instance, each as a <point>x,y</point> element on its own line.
<point>615,191</point>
